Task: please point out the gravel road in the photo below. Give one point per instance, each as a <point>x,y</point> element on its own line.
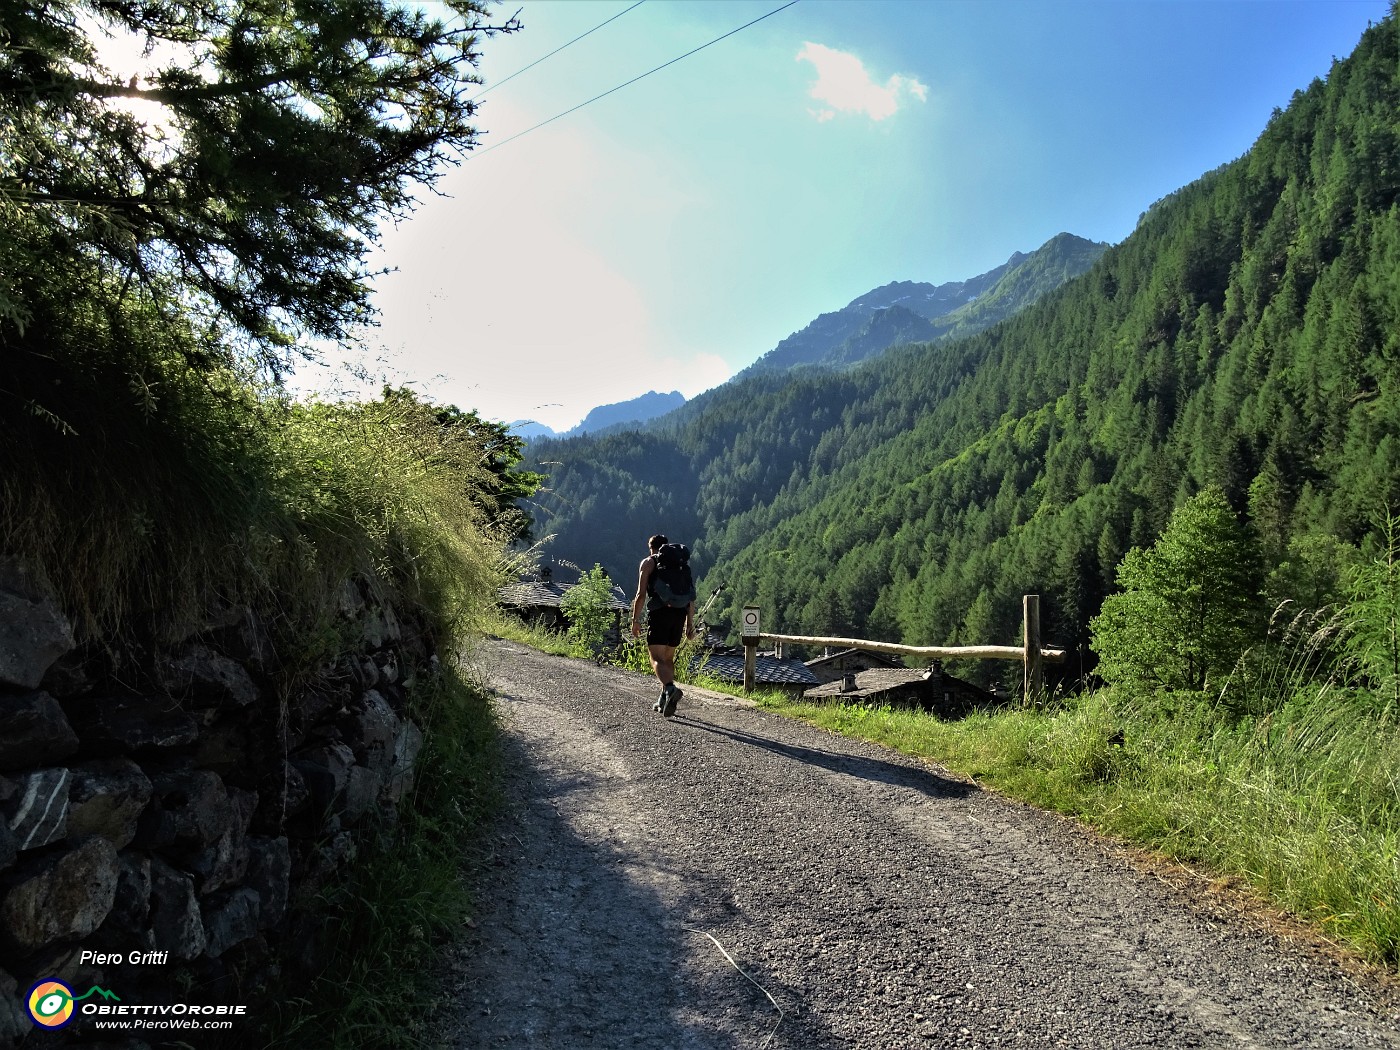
<point>879,901</point>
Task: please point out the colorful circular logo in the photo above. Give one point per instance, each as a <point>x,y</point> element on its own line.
<point>51,1004</point>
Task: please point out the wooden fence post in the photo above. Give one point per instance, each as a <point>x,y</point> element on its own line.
<point>1035,674</point>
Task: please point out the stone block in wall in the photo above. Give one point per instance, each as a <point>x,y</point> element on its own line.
<point>37,813</point>
<point>381,627</point>
<point>230,918</point>
<point>9,848</point>
<point>370,730</point>
<point>225,861</point>
<point>269,875</point>
<point>407,746</point>
<point>115,725</point>
<point>34,632</point>
<point>131,908</point>
<point>361,793</point>
<point>205,677</point>
<point>14,1019</point>
<point>282,794</point>
<point>61,897</point>
<point>177,925</point>
<point>326,771</point>
<point>189,810</point>
<point>33,731</point>
<point>107,797</point>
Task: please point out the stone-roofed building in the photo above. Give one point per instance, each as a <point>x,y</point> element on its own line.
<point>932,690</point>
<point>833,667</point>
<point>770,672</point>
<point>537,601</point>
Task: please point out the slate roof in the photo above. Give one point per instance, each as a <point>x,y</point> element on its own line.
<point>767,670</point>
<point>536,593</point>
<point>882,658</point>
<point>868,683</point>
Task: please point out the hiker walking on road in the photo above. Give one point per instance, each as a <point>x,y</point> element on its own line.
<point>666,586</point>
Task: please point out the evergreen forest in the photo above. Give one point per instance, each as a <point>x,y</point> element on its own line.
<point>1244,337</point>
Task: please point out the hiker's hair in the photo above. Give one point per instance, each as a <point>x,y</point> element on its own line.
<point>657,542</point>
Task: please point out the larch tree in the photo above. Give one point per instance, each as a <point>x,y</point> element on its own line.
<point>240,174</point>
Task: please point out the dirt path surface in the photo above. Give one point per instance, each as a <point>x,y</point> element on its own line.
<point>879,901</point>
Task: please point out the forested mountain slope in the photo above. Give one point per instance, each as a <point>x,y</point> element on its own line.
<point>1245,334</point>
<point>699,464</point>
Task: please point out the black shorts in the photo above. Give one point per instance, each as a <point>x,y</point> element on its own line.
<point>665,626</point>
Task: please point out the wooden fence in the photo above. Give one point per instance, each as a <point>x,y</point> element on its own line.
<point>1030,653</point>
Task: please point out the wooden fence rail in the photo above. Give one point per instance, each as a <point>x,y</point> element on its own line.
<point>1030,653</point>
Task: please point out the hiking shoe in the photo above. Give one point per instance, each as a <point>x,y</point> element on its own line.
<point>672,697</point>
<point>660,704</point>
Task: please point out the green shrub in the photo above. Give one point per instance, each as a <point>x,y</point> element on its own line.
<point>588,608</point>
<point>1190,603</point>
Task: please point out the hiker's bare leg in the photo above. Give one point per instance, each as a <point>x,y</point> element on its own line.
<point>663,662</point>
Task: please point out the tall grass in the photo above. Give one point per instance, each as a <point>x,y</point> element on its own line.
<point>152,518</point>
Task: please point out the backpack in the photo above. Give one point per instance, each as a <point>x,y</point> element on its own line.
<point>671,583</point>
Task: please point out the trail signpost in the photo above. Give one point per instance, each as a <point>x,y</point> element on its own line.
<point>749,629</point>
<point>749,632</point>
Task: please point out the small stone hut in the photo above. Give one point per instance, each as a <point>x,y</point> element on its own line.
<point>834,666</point>
<point>538,601</point>
<point>932,690</point>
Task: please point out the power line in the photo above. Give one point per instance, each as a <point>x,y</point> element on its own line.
<point>619,87</point>
<point>556,51</point>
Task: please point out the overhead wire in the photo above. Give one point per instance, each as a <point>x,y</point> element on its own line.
<point>641,76</point>
<point>556,51</point>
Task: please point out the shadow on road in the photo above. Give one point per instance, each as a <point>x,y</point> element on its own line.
<point>922,780</point>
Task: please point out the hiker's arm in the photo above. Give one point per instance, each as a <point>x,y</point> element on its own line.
<point>642,575</point>
<point>690,620</point>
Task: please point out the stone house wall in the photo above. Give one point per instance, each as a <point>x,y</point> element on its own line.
<point>186,817</point>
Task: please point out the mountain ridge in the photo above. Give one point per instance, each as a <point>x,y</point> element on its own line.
<point>606,418</point>
<point>845,337</point>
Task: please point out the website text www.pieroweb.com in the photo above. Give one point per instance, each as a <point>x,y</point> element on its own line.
<point>56,1003</point>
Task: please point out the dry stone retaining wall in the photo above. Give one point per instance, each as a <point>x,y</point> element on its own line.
<point>185,817</point>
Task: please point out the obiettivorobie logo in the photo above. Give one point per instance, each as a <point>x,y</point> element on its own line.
<point>51,1002</point>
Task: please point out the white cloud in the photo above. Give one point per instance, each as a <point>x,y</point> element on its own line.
<point>845,85</point>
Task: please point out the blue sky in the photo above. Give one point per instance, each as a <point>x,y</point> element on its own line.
<point>666,236</point>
